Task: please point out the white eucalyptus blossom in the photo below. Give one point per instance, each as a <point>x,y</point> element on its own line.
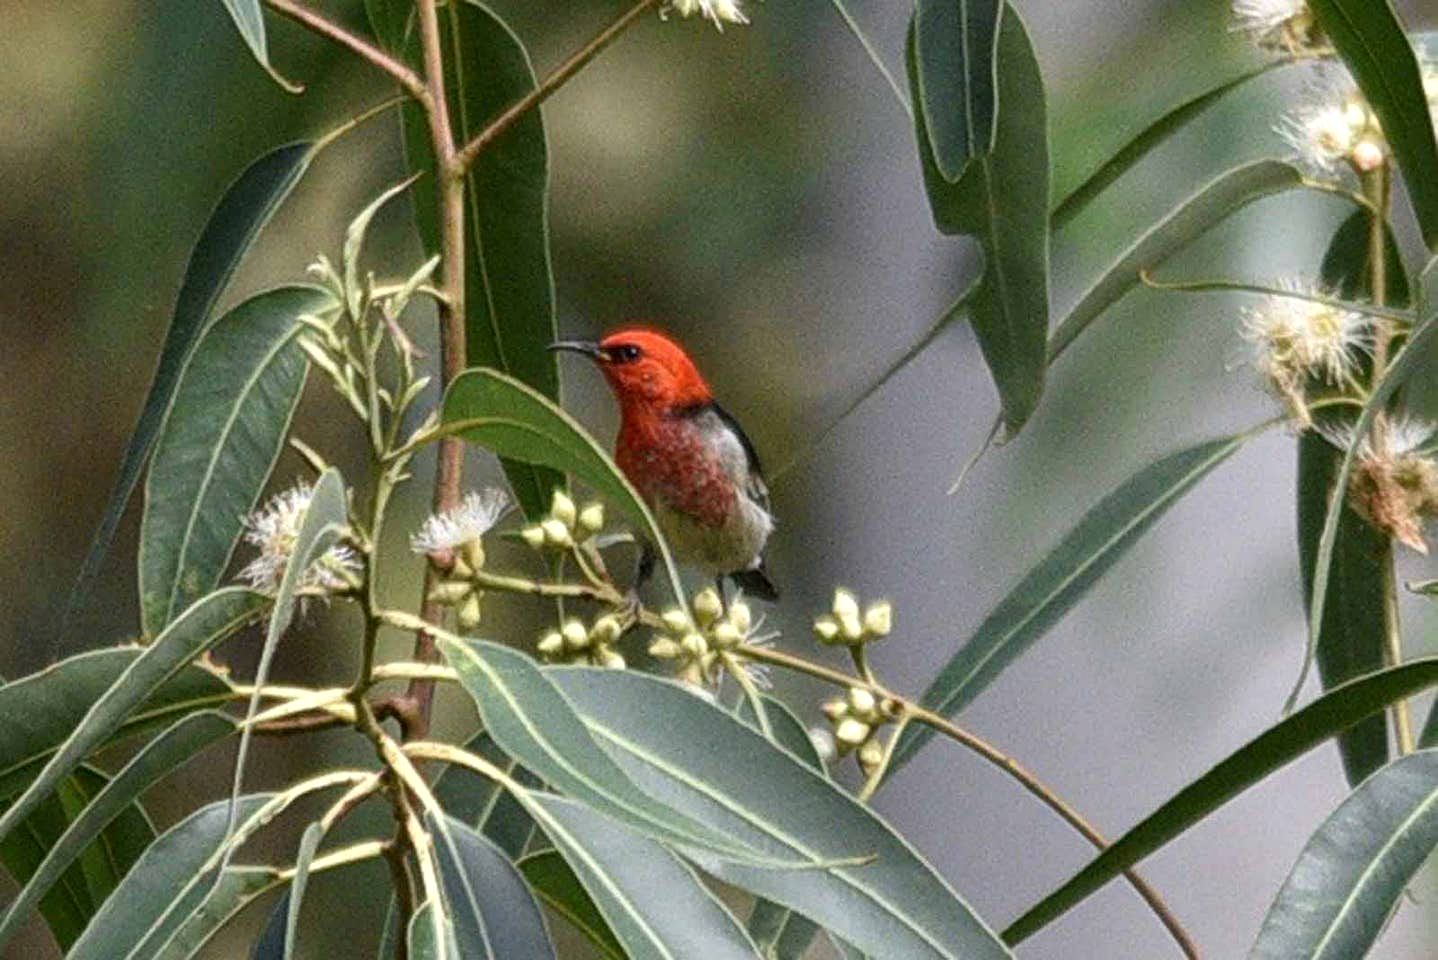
<point>466,523</point>
<point>1395,476</point>
<point>1286,25</point>
<point>1334,129</point>
<point>1296,338</point>
<point>274,528</point>
<point>719,11</point>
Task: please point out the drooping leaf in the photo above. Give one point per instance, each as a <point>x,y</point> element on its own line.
<point>217,446</point>
<point>1001,198</point>
<point>193,632</point>
<point>701,761</point>
<point>294,899</point>
<point>955,63</point>
<point>554,883</point>
<point>160,757</point>
<point>534,723</point>
<point>109,856</point>
<point>485,805</point>
<point>653,903</point>
<point>1371,40</point>
<point>1214,202</point>
<point>1061,579</point>
<point>509,287</point>
<point>504,415</point>
<point>431,936</point>
<point>492,910</point>
<point>234,889</point>
<point>1353,869</point>
<point>271,942</point>
<point>245,208</point>
<point>151,889</point>
<point>1276,747</point>
<point>43,709</point>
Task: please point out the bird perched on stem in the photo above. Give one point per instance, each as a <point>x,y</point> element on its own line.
<point>688,458</point>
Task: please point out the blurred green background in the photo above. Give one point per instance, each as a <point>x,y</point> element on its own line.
<point>756,192</point>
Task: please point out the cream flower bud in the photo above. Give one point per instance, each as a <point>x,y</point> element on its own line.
<point>665,649</point>
<point>472,555</point>
<point>741,617</point>
<point>533,535</point>
<point>850,733</point>
<point>606,629</point>
<point>556,534</point>
<point>562,508</point>
<point>707,606</point>
<point>591,518</point>
<point>726,636</point>
<point>861,701</point>
<point>871,754</point>
<point>694,645</point>
<point>675,620</point>
<point>846,612</point>
<point>609,658</point>
<point>1367,156</point>
<point>551,644</point>
<point>575,636</point>
<point>470,612</point>
<point>826,629</point>
<point>879,619</point>
<point>449,592</point>
<point>834,709</point>
<point>823,742</point>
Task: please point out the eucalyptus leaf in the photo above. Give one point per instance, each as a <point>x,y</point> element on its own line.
<point>514,420</point>
<point>193,632</point>
<point>430,936</point>
<point>294,900</point>
<point>1002,199</point>
<point>245,208</point>
<point>250,21</point>
<point>654,904</point>
<point>157,759</point>
<point>490,905</point>
<point>554,883</point>
<point>956,61</point>
<point>703,762</point>
<point>509,285</point>
<point>1061,579</point>
<point>1275,748</point>
<point>45,708</point>
<point>217,446</point>
<point>1372,42</point>
<point>234,889</point>
<point>1352,871</point>
<point>484,805</point>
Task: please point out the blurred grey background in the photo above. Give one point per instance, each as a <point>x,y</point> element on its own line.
<point>758,193</point>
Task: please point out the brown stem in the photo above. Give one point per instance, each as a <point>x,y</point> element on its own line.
<point>556,79</point>
<point>317,23</point>
<point>1001,760</point>
<point>450,189</point>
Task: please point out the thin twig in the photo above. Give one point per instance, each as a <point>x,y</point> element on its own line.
<point>319,24</point>
<point>558,78</point>
<point>1376,309</point>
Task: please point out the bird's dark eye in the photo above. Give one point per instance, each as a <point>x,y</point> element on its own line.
<point>624,353</point>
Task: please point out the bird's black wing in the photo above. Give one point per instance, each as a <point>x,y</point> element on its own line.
<point>758,491</point>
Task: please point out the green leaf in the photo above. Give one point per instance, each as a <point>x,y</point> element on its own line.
<point>43,709</point>
<point>217,446</point>
<point>653,903</point>
<point>147,895</point>
<point>193,632</point>
<point>249,20</point>
<point>1148,139</point>
<point>702,762</point>
<point>502,414</point>
<point>556,886</point>
<point>1214,202</point>
<point>533,722</point>
<point>955,65</point>
<point>106,860</point>
<point>430,935</point>
<point>1352,871</point>
<point>294,900</point>
<point>509,287</point>
<point>486,806</point>
<point>1370,38</point>
<point>1061,579</point>
<point>157,759</point>
<point>245,208</point>
<point>1002,199</point>
<point>1271,750</point>
<point>490,905</point>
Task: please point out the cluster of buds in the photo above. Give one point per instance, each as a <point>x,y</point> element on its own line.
<point>1287,26</point>
<point>454,543</point>
<point>857,719</point>
<point>1395,479</point>
<point>575,643</point>
<point>1299,341</point>
<point>848,626</point>
<point>1336,129</point>
<point>565,525</point>
<point>700,644</point>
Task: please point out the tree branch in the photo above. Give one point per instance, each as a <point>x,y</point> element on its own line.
<point>317,23</point>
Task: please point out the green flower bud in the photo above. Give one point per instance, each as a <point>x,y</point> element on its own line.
<point>575,636</point>
<point>591,518</point>
<point>707,606</point>
<point>469,611</point>
<point>562,508</point>
<point>533,535</point>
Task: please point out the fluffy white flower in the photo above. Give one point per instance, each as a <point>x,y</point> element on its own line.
<point>719,11</point>
<point>274,528</point>
<point>468,522</point>
<point>1334,129</point>
<point>1295,338</point>
<point>1286,25</point>
<point>1403,436</point>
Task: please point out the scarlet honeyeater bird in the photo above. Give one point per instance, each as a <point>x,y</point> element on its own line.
<point>688,458</point>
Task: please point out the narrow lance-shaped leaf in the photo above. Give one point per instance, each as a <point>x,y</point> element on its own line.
<point>194,632</point>
<point>218,445</point>
<point>1271,750</point>
<point>245,208</point>
<point>654,904</point>
<point>1371,40</point>
<point>502,414</point>
<point>42,710</point>
<point>1061,579</point>
<point>554,883</point>
<point>1352,871</point>
<point>509,288</point>
<point>955,65</point>
<point>160,757</point>
<point>701,761</point>
<point>250,21</point>
<point>294,899</point>
<point>1002,199</point>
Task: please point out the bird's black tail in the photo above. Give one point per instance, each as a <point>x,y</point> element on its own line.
<point>756,583</point>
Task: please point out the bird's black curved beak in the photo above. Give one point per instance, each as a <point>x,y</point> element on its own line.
<point>587,347</point>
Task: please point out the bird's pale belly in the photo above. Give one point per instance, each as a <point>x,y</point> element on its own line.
<point>727,547</point>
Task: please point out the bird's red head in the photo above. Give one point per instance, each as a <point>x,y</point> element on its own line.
<point>646,370</point>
